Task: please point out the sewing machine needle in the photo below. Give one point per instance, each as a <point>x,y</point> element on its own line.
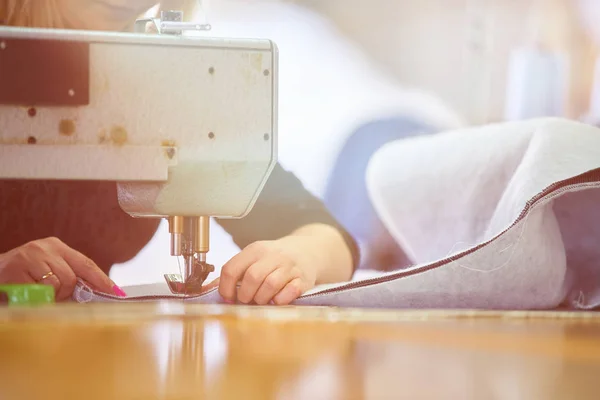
<point>189,264</point>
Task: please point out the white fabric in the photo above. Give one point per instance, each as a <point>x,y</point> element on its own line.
<point>453,202</point>
<point>318,67</point>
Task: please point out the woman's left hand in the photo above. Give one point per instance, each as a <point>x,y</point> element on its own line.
<point>277,271</point>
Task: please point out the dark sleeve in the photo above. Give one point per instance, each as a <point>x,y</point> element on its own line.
<point>283,206</point>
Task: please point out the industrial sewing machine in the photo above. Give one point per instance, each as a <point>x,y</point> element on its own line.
<point>186,125</point>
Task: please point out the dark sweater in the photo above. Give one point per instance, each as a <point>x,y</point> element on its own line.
<point>87,217</point>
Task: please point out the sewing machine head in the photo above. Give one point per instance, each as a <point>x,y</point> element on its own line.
<point>186,126</point>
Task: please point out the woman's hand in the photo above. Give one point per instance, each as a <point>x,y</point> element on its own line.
<point>280,271</point>
<point>268,271</point>
<point>58,263</point>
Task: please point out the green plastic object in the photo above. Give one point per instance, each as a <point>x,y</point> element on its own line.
<point>28,295</point>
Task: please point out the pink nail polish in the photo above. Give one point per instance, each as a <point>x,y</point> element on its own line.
<point>119,292</point>
<point>229,301</point>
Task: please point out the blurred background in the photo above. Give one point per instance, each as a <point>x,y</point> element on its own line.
<point>355,75</point>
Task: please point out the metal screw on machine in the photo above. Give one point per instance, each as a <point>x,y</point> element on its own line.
<point>173,16</point>
<point>171,23</point>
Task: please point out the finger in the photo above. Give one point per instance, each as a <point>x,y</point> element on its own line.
<point>211,285</point>
<point>38,270</point>
<point>290,292</point>
<point>53,281</point>
<point>232,272</point>
<point>86,269</point>
<point>254,277</point>
<point>272,285</point>
<point>65,276</point>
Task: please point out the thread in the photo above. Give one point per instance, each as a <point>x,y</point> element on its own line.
<point>549,198</point>
<point>513,245</point>
<point>179,266</point>
<point>580,301</point>
<point>80,289</point>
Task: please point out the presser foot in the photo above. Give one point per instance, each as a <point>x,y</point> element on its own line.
<point>193,285</point>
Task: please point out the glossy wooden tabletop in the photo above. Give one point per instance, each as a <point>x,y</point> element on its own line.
<point>172,351</point>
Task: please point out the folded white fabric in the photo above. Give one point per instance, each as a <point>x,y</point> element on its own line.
<point>504,216</point>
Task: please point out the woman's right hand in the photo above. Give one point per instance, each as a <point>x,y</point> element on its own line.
<point>50,261</point>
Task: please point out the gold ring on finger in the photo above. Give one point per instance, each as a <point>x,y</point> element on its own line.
<point>46,276</point>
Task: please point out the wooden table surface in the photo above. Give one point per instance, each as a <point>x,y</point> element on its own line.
<point>176,351</point>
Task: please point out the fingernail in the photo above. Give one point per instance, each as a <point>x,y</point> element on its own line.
<point>228,301</point>
<point>119,292</point>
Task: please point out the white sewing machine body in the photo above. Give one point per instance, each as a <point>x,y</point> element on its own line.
<point>187,126</point>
